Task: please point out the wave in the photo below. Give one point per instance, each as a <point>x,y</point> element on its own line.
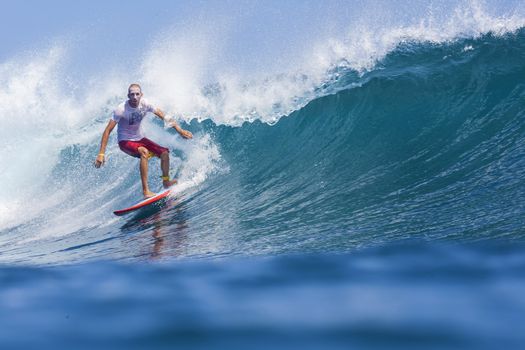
<point>428,146</point>
<point>176,72</point>
<point>394,131</point>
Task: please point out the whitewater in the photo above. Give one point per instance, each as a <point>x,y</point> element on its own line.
<point>362,188</point>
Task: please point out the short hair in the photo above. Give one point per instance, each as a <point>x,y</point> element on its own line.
<point>134,85</point>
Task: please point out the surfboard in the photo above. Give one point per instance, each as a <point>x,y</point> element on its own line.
<point>148,202</point>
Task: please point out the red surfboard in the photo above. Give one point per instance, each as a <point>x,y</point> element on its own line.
<point>143,204</point>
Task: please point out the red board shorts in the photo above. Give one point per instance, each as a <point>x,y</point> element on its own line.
<point>132,147</point>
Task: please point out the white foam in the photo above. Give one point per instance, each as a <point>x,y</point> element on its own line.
<point>201,156</point>
<point>176,71</point>
<point>365,45</point>
<point>40,117</point>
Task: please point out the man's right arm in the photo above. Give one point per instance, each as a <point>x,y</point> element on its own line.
<point>103,143</point>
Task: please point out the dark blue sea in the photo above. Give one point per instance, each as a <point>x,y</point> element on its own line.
<point>386,211</point>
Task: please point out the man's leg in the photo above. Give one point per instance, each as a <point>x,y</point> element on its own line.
<point>144,157</point>
<point>165,166</point>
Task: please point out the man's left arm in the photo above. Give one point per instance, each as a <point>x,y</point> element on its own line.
<point>184,133</point>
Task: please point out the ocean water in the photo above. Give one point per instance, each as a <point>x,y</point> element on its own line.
<point>407,296</point>
<point>372,198</point>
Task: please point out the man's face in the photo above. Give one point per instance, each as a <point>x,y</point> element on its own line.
<point>134,95</point>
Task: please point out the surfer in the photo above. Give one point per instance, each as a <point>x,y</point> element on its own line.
<point>128,116</point>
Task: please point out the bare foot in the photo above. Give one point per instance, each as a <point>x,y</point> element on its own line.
<point>169,183</point>
<point>149,194</point>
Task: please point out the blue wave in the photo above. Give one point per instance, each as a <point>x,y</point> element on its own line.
<point>429,145</point>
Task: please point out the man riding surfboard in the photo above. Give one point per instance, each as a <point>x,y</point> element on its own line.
<point>128,116</point>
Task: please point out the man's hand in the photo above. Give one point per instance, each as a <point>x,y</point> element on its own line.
<point>99,161</point>
<point>185,133</point>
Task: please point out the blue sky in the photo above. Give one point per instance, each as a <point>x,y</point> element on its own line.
<point>252,36</point>
<point>130,26</point>
<point>102,30</point>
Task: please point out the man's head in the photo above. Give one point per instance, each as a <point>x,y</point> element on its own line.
<point>134,95</point>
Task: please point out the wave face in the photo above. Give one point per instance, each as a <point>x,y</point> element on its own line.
<point>427,145</point>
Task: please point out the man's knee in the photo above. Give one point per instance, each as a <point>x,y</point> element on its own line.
<point>144,153</point>
<point>165,155</point>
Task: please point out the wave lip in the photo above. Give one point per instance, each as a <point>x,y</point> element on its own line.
<point>231,98</point>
